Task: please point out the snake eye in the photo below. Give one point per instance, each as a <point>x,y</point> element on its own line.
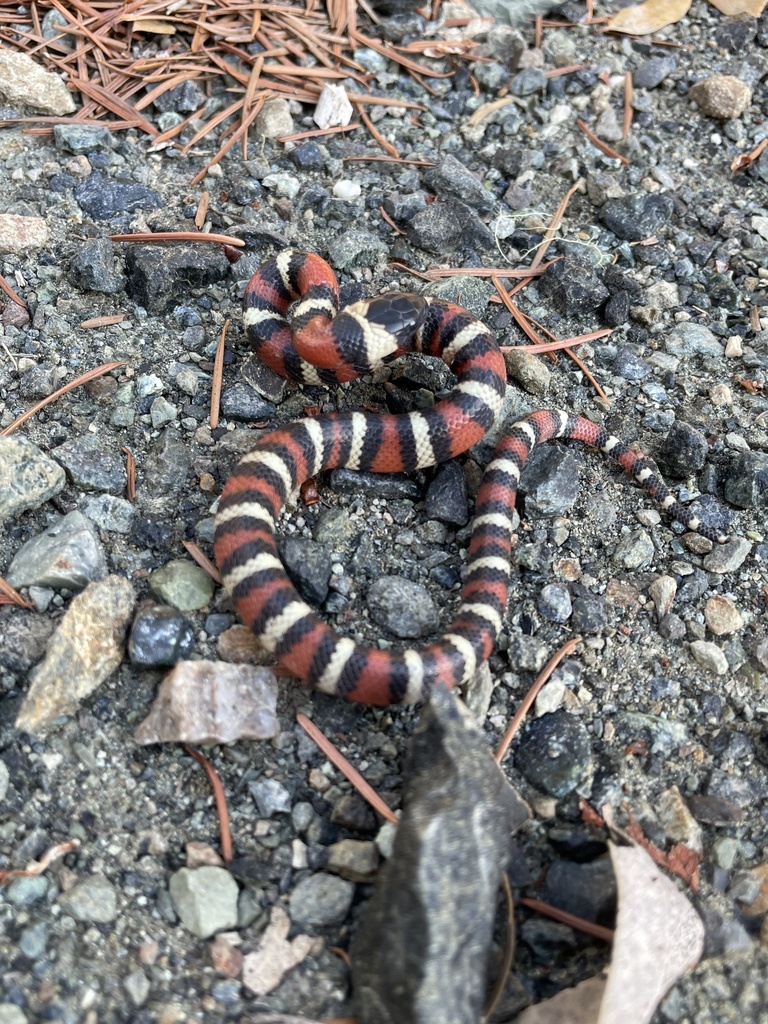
<point>399,313</point>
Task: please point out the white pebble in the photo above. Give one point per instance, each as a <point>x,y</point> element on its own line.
<point>346,189</point>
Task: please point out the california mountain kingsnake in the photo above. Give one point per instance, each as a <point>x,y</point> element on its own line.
<point>324,346</point>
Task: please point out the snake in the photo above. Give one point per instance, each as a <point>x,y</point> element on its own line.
<point>294,324</point>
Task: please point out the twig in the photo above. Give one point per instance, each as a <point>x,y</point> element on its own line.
<point>509,952</point>
<point>366,791</point>
<point>530,697</point>
<point>130,474</point>
<point>84,378</point>
<point>221,803</point>
<point>179,236</point>
<point>39,866</point>
<point>627,105</point>
<point>218,376</point>
<point>203,560</point>
<point>103,321</point>
<point>597,931</point>
<point>8,595</point>
<point>11,293</point>
<point>551,231</point>
<point>602,146</point>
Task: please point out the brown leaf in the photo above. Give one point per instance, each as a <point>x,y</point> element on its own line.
<point>659,936</point>
<point>731,7</point>
<point>578,1005</point>
<point>649,17</point>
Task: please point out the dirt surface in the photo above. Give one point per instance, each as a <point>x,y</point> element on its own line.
<point>661,702</point>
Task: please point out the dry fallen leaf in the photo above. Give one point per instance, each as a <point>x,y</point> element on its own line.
<point>659,936</point>
<point>731,7</point>
<point>649,17</point>
<point>578,1005</point>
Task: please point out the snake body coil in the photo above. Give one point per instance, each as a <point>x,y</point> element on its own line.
<point>322,345</point>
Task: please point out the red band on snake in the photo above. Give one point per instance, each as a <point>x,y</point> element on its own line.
<point>323,345</point>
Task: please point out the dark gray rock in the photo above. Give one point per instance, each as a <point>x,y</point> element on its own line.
<point>590,613</point>
<point>352,812</point>
<point>182,99</point>
<point>551,481</point>
<point>102,198</point>
<point>628,365</point>
<point>548,941</point>
<point>528,81</point>
<point>160,635</point>
<point>241,402</point>
<point>684,450</point>
<point>555,753</point>
<point>616,309</point>
<point>113,514</point>
<point>375,485</point>
<point>23,637</point>
<point>90,468</point>
<point>92,268</point>
<point>572,287</point>
<point>452,179</point>
<point>746,481</point>
<point>82,138</point>
<point>692,587</point>
<point>471,293</point>
<point>448,226</point>
<point>167,464</point>
<point>404,608</point>
<point>320,901</point>
<point>736,33</point>
<point>27,477</point>
<point>308,565</point>
<point>307,156</point>
<point>554,602</point>
<point>724,935</point>
<point>161,276</point>
<point>587,890</point>
<point>446,498</point>
<point>419,954</point>
<point>356,249</point>
<point>653,71</point>
<point>637,216</point>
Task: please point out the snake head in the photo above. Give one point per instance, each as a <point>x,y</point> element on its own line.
<point>398,313</point>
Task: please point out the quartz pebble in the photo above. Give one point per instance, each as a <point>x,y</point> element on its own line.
<point>212,702</point>
<point>722,616</point>
<point>85,649</point>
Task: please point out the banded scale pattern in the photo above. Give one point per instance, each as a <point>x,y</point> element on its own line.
<point>252,500</point>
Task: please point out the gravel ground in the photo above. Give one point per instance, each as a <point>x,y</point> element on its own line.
<point>666,695</point>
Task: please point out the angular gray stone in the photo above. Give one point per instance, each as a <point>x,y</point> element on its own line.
<point>746,482</point>
<point>320,901</point>
<point>89,467</point>
<point>92,899</point>
<point>68,554</point>
<point>205,899</point>
<point>27,477</point>
<point>401,606</point>
<point>420,951</point>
